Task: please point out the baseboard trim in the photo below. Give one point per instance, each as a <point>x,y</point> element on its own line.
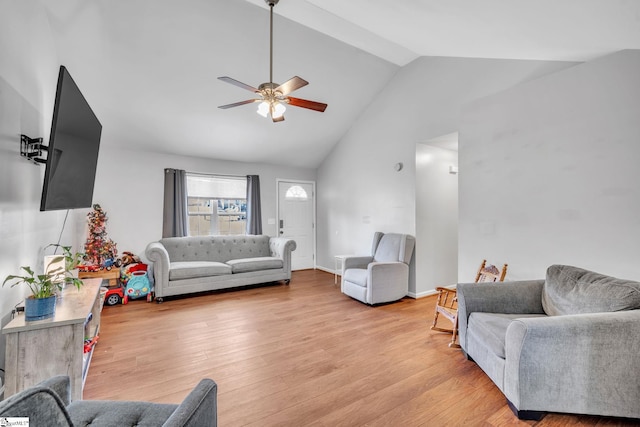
<point>328,270</point>
<point>422,294</point>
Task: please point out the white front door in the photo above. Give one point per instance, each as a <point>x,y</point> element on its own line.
<point>296,201</point>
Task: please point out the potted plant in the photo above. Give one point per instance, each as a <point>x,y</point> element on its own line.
<point>41,304</point>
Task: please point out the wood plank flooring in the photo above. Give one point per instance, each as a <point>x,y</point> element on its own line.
<point>300,355</point>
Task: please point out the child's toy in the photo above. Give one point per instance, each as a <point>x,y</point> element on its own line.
<point>129,258</point>
<point>115,296</point>
<point>88,344</point>
<point>111,262</point>
<point>88,268</point>
<point>137,285</point>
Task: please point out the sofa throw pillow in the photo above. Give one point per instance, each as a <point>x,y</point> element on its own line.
<point>572,290</point>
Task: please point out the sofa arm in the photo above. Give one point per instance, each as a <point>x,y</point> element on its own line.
<point>41,404</point>
<point>356,262</point>
<point>281,247</point>
<point>518,297</point>
<point>157,254</point>
<point>551,360</point>
<point>199,408</point>
<point>61,385</point>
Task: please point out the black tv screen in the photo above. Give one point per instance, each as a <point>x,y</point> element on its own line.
<point>73,149</point>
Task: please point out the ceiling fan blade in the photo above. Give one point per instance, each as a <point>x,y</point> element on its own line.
<point>311,105</point>
<point>294,83</point>
<point>236,104</point>
<point>239,84</point>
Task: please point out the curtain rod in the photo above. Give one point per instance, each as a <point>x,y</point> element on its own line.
<point>216,174</point>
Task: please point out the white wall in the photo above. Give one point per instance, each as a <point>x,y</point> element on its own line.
<point>559,155</point>
<point>28,76</point>
<point>436,219</point>
<point>359,192</point>
<point>129,187</point>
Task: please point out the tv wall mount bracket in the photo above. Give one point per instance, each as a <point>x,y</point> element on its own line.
<point>32,148</point>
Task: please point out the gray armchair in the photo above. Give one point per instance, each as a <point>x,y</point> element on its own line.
<point>568,343</point>
<point>383,276</point>
<point>47,404</point>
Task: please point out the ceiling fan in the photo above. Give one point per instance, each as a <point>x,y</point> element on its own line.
<point>273,96</point>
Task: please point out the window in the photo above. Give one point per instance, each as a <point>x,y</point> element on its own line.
<point>217,205</point>
<point>296,192</point>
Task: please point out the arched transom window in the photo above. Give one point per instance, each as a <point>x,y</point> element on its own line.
<point>296,192</point>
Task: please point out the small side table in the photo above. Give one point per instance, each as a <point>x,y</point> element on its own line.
<point>339,260</point>
<point>112,275</point>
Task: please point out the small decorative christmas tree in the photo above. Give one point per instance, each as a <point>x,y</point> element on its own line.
<point>99,249</point>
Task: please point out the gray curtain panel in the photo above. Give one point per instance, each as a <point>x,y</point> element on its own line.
<point>254,211</point>
<point>175,223</point>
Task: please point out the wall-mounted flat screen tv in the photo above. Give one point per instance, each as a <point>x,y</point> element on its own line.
<point>73,149</point>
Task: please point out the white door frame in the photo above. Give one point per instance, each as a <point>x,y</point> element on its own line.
<point>313,197</point>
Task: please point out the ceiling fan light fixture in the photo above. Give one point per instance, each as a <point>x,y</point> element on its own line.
<point>278,110</point>
<point>274,108</point>
<point>263,109</point>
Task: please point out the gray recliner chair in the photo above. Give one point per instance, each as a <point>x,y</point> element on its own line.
<point>383,276</point>
<point>48,404</point>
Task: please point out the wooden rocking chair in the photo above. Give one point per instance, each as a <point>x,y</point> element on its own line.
<point>447,304</point>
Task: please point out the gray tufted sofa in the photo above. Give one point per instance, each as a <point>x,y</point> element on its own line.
<point>183,265</point>
<point>49,404</point>
<point>567,343</point>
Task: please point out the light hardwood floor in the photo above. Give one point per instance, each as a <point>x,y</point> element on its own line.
<point>300,355</point>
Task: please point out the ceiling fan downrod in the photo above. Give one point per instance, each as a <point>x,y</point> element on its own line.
<point>271,4</point>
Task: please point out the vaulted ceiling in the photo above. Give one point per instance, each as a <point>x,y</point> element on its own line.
<point>149,68</point>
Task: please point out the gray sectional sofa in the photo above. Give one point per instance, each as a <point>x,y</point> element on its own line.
<point>569,343</point>
<point>183,265</point>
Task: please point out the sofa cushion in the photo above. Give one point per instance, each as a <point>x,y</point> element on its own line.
<point>124,413</point>
<point>572,290</point>
<point>357,276</point>
<point>191,269</point>
<point>244,265</point>
<point>491,328</point>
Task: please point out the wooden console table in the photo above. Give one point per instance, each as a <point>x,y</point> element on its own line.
<point>41,349</point>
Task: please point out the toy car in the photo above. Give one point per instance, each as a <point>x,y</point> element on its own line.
<point>115,296</point>
<point>89,268</point>
<point>110,263</point>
